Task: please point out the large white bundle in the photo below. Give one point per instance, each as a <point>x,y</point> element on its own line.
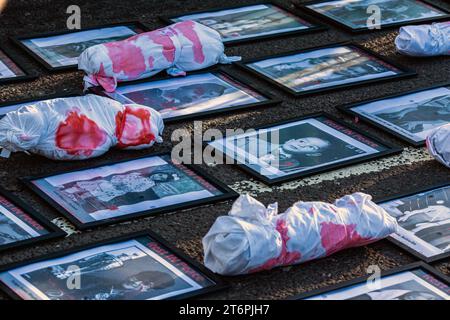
<point>424,40</point>
<point>254,238</point>
<point>180,47</point>
<point>78,128</point>
<point>438,144</point>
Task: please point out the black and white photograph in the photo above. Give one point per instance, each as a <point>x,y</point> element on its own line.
<point>10,70</point>
<point>191,96</point>
<point>20,225</point>
<point>300,147</point>
<point>410,116</point>
<point>137,268</point>
<point>324,68</point>
<point>126,190</point>
<point>414,282</point>
<point>424,222</point>
<point>244,23</point>
<point>60,51</point>
<point>355,16</point>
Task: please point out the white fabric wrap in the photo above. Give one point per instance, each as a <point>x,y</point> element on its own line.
<point>180,47</point>
<point>424,40</point>
<point>254,238</point>
<point>438,144</point>
<point>77,128</point>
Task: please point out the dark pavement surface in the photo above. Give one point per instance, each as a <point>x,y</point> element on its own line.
<point>186,228</point>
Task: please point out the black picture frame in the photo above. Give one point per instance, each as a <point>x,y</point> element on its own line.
<point>53,231</point>
<point>32,100</point>
<point>227,194</point>
<point>413,266</point>
<point>304,7</point>
<point>28,76</point>
<point>18,42</point>
<point>391,150</point>
<point>316,25</point>
<point>219,283</point>
<point>347,108</point>
<point>405,72</point>
<point>271,100</point>
<point>404,246</point>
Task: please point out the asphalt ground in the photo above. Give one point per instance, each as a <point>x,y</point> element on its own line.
<point>398,174</point>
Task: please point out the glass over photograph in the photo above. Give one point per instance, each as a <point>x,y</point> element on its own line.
<point>323,68</point>
<point>415,284</point>
<point>8,68</point>
<point>297,147</point>
<point>190,95</point>
<point>413,116</point>
<point>125,188</point>
<point>424,221</point>
<point>248,22</point>
<point>63,50</point>
<point>354,13</point>
<point>135,269</point>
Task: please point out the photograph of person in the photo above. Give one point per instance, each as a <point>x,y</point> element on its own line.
<point>323,68</point>
<point>124,188</point>
<point>408,285</point>
<point>127,270</point>
<point>354,13</point>
<point>12,226</point>
<point>413,116</point>
<point>292,148</point>
<point>64,50</point>
<point>424,221</point>
<point>188,95</point>
<point>248,21</point>
<point>9,69</point>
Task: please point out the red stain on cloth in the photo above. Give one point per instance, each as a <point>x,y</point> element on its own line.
<point>335,237</point>
<point>168,48</point>
<point>126,58</point>
<point>133,127</point>
<point>187,29</point>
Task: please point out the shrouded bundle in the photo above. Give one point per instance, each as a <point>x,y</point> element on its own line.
<point>78,128</point>
<point>180,47</point>
<point>424,40</point>
<point>254,238</point>
<point>438,144</point>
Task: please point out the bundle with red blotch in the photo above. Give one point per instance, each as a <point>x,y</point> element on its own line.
<point>78,128</point>
<point>254,238</point>
<point>181,47</point>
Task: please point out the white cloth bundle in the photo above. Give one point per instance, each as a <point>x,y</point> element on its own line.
<point>254,238</point>
<point>183,46</point>
<point>424,40</point>
<point>438,144</point>
<point>78,128</point>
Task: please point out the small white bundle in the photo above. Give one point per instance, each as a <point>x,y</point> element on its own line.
<point>424,40</point>
<point>438,144</point>
<point>254,238</point>
<point>78,128</point>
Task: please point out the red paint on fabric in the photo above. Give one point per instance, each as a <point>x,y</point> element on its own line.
<point>126,57</point>
<point>285,258</point>
<point>133,127</point>
<point>168,48</point>
<point>79,135</point>
<point>335,237</point>
<point>187,29</point>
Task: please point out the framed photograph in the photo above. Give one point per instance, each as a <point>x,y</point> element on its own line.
<point>20,225</point>
<point>11,70</point>
<point>128,189</point>
<point>250,22</point>
<point>9,106</point>
<point>353,15</point>
<point>193,96</point>
<point>417,281</point>
<point>60,50</point>
<point>141,266</point>
<point>410,116</point>
<point>424,221</point>
<point>300,147</point>
<point>325,68</point>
